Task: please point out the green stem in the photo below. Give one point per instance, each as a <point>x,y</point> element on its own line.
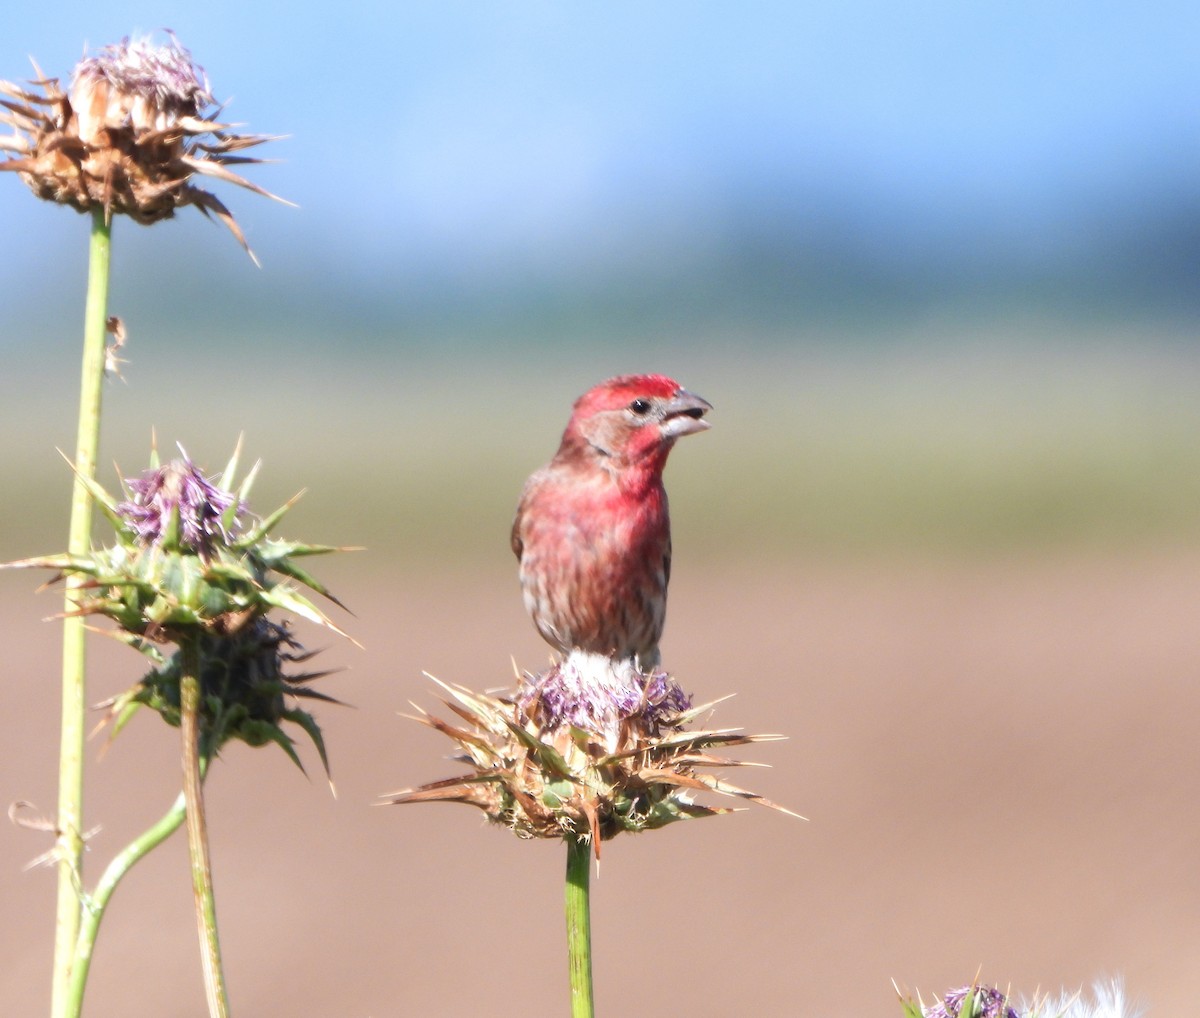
<point>197,829</point>
<point>579,925</point>
<point>74,699</point>
<point>95,905</point>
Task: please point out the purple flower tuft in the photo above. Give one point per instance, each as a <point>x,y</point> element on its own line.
<point>665,696</point>
<point>178,487</point>
<point>597,694</point>
<point>988,1003</point>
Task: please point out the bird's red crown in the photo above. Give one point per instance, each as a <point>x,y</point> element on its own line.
<point>622,390</point>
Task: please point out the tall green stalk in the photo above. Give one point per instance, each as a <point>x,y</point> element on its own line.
<point>74,698</point>
<point>579,925</point>
<point>197,830</point>
<point>97,902</point>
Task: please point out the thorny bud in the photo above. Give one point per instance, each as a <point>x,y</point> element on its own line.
<point>245,692</point>
<point>128,136</point>
<point>590,748</point>
<point>184,562</point>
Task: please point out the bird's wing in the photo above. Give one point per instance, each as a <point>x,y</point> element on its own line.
<point>518,546</point>
<point>527,496</point>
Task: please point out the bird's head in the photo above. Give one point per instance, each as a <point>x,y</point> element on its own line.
<point>633,420</point>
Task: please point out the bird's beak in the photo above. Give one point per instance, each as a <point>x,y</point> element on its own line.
<point>684,414</point>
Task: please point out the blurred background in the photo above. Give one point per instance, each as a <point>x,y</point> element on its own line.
<point>936,266</point>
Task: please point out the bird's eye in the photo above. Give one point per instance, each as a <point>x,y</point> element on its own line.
<point>641,407</point>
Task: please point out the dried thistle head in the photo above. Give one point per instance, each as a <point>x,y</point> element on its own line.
<point>590,748</point>
<point>129,135</point>
<point>188,559</point>
<point>136,85</point>
<point>245,691</point>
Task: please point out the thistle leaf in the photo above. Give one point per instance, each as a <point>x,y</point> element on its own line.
<point>266,525</point>
<point>284,742</point>
<point>309,724</point>
<point>290,569</point>
<point>243,491</point>
<point>99,495</point>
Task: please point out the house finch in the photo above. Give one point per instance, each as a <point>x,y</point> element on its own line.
<point>592,531</point>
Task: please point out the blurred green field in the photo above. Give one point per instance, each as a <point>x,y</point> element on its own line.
<point>933,445</point>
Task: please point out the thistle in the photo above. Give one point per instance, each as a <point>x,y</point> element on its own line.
<point>188,561</point>
<point>128,136</point>
<point>982,1001</point>
<point>246,691</point>
<point>972,1002</point>
<point>586,750</point>
<point>190,566</point>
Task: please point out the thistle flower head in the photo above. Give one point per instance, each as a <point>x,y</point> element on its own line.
<point>972,1002</point>
<point>979,1001</point>
<point>188,559</point>
<point>590,748</point>
<point>128,136</point>
<point>246,693</point>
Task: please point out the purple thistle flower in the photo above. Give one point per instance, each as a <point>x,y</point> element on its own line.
<point>178,488</point>
<point>988,1003</point>
<point>597,694</point>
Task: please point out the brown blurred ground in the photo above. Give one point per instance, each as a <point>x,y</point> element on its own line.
<point>997,756</point>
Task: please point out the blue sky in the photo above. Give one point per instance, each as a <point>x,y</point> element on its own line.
<point>490,146</point>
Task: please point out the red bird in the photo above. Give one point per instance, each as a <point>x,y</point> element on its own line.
<point>592,531</point>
